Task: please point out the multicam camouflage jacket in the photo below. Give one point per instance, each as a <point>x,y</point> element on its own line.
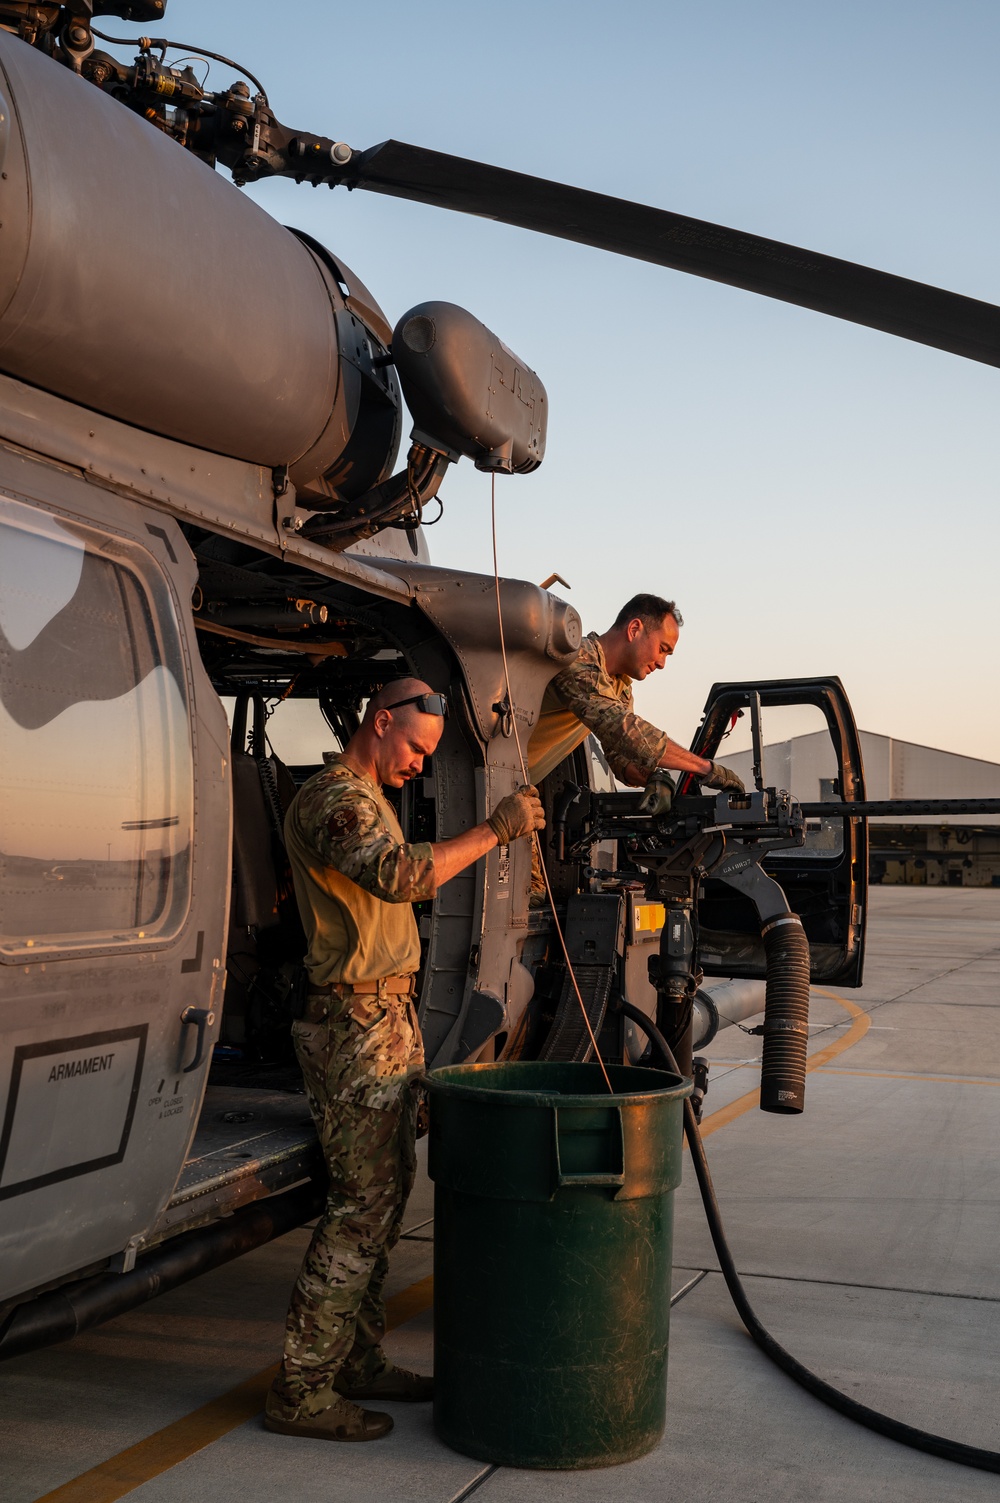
<point>600,702</point>
<point>350,824</point>
<point>355,878</point>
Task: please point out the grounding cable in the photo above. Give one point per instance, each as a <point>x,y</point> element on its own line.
<point>537,844</point>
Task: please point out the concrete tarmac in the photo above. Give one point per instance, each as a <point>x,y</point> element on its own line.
<point>865,1229</point>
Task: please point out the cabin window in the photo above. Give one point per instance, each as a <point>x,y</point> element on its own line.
<point>96,774</point>
<point>798,754</point>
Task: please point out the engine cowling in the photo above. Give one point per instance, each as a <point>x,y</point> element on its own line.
<point>136,281</point>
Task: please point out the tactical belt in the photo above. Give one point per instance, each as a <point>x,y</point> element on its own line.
<point>387,986</point>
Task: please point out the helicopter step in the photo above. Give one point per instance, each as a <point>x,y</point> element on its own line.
<point>254,1171</point>
<point>249,1143</point>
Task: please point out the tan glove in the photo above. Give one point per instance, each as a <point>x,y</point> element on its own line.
<point>723,778</point>
<point>516,815</point>
<point>659,794</point>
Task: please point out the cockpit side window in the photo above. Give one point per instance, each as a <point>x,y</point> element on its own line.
<point>96,790</point>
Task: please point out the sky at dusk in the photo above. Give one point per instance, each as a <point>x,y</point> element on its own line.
<point>818,497</point>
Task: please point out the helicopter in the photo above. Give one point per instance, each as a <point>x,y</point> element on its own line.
<point>188,521</point>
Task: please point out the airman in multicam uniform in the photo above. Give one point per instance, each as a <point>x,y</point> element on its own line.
<point>594,695</point>
<point>356,879</point>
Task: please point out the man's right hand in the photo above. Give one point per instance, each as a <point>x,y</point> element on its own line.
<point>723,778</point>
<point>516,815</point>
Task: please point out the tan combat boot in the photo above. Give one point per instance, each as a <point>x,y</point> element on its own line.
<point>391,1383</point>
<point>341,1420</point>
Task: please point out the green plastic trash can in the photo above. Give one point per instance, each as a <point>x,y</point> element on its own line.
<point>553,1221</point>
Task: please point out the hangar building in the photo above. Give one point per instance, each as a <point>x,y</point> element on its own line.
<point>963,851</point>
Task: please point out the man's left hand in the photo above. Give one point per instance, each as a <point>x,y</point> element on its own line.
<point>659,794</point>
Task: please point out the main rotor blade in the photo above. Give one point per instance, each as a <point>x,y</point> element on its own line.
<point>913,310</point>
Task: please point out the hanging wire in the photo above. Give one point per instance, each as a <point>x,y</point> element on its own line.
<point>524,773</point>
<point>146,44</point>
<point>177,62</point>
<point>434,520</point>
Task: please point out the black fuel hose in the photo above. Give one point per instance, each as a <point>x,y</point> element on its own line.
<point>907,1435</point>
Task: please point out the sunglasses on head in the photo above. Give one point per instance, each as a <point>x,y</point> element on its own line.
<point>430,704</point>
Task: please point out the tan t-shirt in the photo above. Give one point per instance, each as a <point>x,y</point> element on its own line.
<point>587,698</point>
<point>356,878</point>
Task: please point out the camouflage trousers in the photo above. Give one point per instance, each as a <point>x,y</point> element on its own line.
<point>358,1064</point>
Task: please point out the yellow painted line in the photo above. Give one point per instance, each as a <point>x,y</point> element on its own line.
<point>409,1303</point>
<point>931,1079</point>
<point>743,1064</point>
<point>860,1025</point>
<point>117,1476</point>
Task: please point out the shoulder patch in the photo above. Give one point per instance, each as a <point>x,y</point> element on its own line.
<point>342,821</point>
